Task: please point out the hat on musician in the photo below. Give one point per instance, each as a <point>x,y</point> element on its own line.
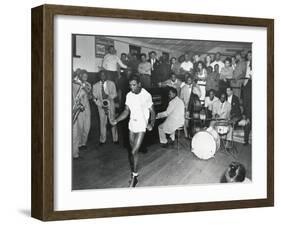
<point>76,72</point>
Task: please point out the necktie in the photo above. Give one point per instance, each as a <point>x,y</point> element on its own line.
<point>104,96</point>
<point>221,109</point>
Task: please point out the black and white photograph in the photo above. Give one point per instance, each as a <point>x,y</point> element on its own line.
<point>150,112</point>
<point>160,112</point>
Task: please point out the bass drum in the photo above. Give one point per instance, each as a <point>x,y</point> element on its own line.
<point>204,144</point>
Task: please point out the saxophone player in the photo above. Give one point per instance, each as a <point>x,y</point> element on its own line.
<point>82,116</point>
<point>104,93</point>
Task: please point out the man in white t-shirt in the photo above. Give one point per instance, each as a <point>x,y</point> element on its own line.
<point>110,64</point>
<point>140,107</point>
<point>187,65</point>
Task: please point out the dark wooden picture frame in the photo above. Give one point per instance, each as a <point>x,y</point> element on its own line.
<point>43,112</point>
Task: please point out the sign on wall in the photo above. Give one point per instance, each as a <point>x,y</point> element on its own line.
<point>101,46</point>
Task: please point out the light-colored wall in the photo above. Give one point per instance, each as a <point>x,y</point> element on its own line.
<point>121,47</point>
<point>225,50</point>
<point>85,47</point>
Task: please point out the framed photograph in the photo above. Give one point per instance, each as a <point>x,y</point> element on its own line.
<point>141,112</point>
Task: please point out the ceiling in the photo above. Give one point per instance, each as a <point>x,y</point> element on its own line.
<point>196,46</point>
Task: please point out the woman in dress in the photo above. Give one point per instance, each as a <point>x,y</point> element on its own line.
<point>200,76</point>
<point>175,67</point>
<point>226,75</point>
<point>208,61</point>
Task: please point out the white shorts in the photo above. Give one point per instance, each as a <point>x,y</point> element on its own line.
<point>137,126</point>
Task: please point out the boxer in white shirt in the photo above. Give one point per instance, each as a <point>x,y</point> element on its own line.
<point>140,107</point>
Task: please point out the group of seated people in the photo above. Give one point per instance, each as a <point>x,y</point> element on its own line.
<point>221,88</point>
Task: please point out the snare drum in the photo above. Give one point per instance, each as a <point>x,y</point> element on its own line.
<point>204,144</point>
<point>222,127</point>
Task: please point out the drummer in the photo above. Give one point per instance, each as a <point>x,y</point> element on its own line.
<point>221,108</point>
<point>221,111</point>
<point>209,102</point>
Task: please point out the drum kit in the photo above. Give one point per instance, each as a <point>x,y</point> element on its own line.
<point>206,142</point>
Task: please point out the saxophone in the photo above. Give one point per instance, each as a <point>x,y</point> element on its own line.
<point>105,106</point>
<point>77,106</point>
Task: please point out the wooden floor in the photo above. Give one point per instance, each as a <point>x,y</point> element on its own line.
<point>108,166</point>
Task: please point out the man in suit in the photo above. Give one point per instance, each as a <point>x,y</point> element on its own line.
<point>82,121</point>
<point>163,70</point>
<point>105,90</point>
<point>174,115</point>
<point>238,73</point>
<point>154,66</point>
<point>235,113</point>
<point>247,108</point>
